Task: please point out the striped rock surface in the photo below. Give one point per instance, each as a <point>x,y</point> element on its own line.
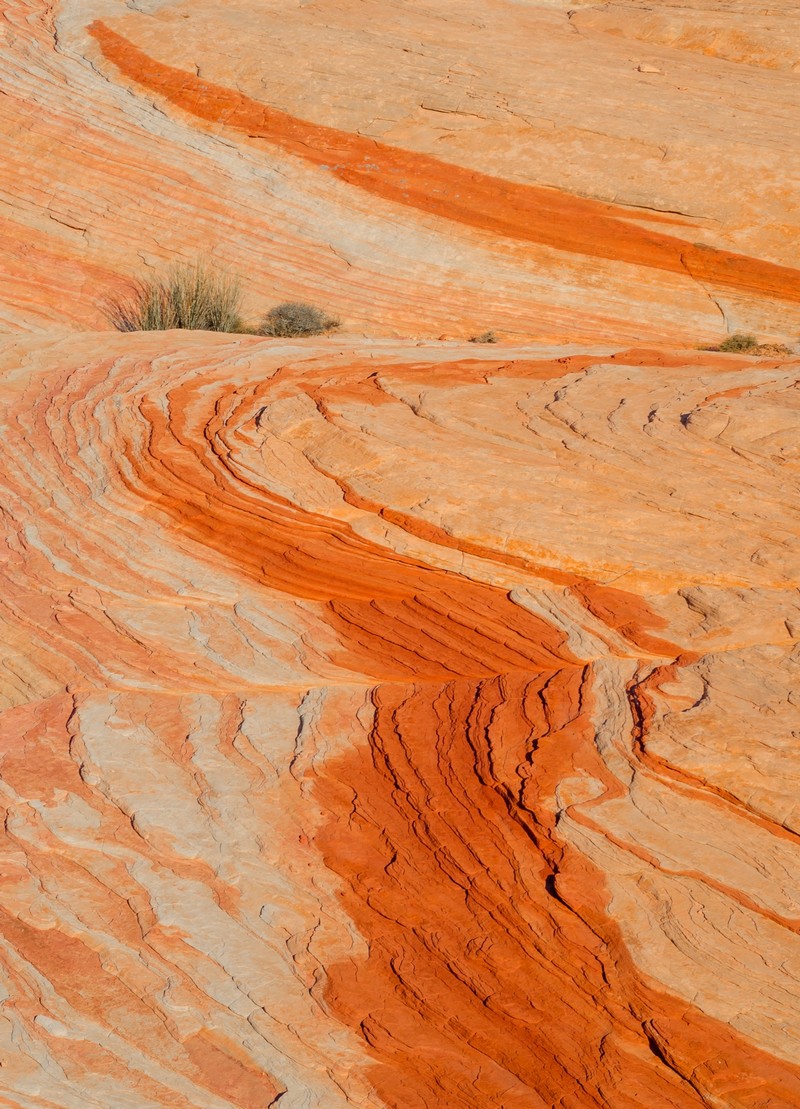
<point>389,725</point>
<point>384,721</point>
<point>552,171</point>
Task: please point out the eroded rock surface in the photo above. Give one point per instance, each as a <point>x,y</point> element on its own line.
<point>551,171</point>
<point>383,722</point>
<point>355,750</point>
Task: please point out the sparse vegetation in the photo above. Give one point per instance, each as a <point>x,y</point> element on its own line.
<point>293,319</point>
<point>484,337</point>
<point>740,343</point>
<point>193,297</point>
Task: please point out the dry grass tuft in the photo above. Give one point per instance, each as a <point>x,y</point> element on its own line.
<point>194,297</point>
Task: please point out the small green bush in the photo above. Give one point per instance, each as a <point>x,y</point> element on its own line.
<point>739,344</point>
<point>192,297</point>
<point>294,318</point>
<point>484,337</point>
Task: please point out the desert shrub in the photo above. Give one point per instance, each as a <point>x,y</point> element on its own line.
<point>484,337</point>
<point>739,343</point>
<point>294,318</point>
<point>748,344</point>
<point>194,297</point>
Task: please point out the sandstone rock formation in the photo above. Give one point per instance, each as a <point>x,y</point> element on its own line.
<point>356,747</point>
<point>423,170</point>
<point>385,722</point>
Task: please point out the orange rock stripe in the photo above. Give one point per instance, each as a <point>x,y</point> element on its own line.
<point>525,212</point>
<point>493,972</point>
<point>398,620</point>
<point>492,975</point>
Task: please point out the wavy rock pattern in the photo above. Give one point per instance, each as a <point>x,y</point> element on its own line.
<point>397,724</point>
<point>436,175</point>
<point>333,777</point>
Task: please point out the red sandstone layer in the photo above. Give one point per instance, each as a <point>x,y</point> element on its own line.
<point>368,806</point>
<point>389,723</point>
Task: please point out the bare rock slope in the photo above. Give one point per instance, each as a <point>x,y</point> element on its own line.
<point>398,725</point>
<point>426,169</point>
<point>383,722</point>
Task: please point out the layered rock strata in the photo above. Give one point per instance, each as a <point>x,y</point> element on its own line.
<point>395,723</point>
<point>546,170</point>
<point>357,751</point>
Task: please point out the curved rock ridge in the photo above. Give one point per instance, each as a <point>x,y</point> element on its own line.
<point>356,751</point>
<point>436,175</point>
